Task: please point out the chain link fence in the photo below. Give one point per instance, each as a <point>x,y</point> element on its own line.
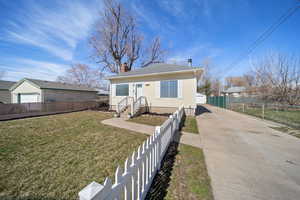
<point>284,114</point>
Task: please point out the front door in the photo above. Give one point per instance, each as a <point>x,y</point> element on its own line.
<point>138,90</point>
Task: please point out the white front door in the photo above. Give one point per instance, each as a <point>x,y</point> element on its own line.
<point>138,90</point>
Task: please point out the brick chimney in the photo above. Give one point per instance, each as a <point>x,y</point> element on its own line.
<point>124,67</point>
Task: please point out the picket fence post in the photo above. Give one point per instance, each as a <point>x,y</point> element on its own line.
<point>140,169</point>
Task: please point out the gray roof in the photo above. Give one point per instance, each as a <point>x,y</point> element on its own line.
<point>56,85</point>
<point>6,85</point>
<point>154,68</point>
<point>234,90</point>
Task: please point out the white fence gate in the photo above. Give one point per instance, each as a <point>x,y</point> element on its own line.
<point>140,169</point>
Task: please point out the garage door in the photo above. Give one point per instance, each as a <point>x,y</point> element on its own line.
<point>29,98</point>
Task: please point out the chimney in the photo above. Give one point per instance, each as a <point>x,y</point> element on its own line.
<point>190,62</point>
<point>124,67</point>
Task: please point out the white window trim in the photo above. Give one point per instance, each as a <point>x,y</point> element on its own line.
<point>179,89</point>
<point>115,89</point>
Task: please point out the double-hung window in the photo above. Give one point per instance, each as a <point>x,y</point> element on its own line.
<point>122,90</point>
<point>169,89</point>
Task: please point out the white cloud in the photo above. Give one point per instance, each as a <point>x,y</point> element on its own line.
<point>175,7</point>
<point>158,24</point>
<point>33,69</point>
<point>57,29</point>
<point>197,52</point>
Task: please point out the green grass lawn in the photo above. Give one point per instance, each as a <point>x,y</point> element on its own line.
<point>54,157</point>
<point>290,118</point>
<point>189,179</point>
<point>190,123</point>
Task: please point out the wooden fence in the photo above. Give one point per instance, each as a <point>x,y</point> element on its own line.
<point>9,109</point>
<point>139,170</point>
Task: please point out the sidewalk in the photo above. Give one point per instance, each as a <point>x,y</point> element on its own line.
<point>184,138</point>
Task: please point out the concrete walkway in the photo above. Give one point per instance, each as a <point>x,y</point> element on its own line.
<point>184,137</point>
<point>248,160</point>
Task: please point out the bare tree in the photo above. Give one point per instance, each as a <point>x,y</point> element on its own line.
<point>116,40</point>
<point>82,74</point>
<point>278,78</point>
<point>209,84</point>
<point>249,79</point>
<point>154,53</point>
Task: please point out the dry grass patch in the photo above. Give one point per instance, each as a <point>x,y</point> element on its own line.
<point>150,119</point>
<point>54,157</point>
<point>189,125</point>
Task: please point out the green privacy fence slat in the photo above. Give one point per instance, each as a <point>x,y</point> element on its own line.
<point>219,101</point>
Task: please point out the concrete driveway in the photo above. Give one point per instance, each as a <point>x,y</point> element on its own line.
<point>248,160</point>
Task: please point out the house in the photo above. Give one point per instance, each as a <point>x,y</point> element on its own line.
<point>33,91</point>
<point>4,91</point>
<point>164,87</point>
<point>102,92</point>
<point>235,91</point>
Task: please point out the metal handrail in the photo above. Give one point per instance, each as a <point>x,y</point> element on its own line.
<point>122,105</point>
<point>141,101</point>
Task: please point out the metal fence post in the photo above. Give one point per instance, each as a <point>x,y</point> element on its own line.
<point>263,111</point>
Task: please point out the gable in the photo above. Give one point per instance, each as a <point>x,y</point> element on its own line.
<point>26,87</point>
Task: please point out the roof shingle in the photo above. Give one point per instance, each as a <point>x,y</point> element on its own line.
<point>154,69</point>
<point>57,85</point>
<point>6,85</point>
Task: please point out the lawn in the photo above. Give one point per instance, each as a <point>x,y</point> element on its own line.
<point>183,175</point>
<point>189,125</point>
<point>54,157</point>
<point>289,118</point>
<point>189,179</point>
<point>150,119</point>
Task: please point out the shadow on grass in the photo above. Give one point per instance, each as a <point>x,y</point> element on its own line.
<point>201,109</point>
<point>159,114</point>
<point>161,181</point>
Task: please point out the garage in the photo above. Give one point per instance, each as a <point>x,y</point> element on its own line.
<point>29,98</point>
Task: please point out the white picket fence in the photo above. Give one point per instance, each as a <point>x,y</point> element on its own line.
<point>139,170</point>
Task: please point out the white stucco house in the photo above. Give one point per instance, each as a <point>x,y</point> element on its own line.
<point>33,91</point>
<point>164,87</point>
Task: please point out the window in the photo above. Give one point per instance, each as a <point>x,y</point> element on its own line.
<point>122,90</point>
<point>169,89</point>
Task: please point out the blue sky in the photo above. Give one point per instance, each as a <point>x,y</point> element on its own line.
<point>40,39</point>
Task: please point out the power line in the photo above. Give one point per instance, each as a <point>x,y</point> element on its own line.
<point>283,18</point>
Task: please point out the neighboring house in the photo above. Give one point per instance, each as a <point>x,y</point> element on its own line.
<point>33,90</point>
<point>164,86</point>
<point>235,91</point>
<point>5,96</point>
<point>102,92</point>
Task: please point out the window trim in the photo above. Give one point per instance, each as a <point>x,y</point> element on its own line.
<point>160,91</point>
<point>116,85</point>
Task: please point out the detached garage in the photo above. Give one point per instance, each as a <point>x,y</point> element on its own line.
<point>34,91</point>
